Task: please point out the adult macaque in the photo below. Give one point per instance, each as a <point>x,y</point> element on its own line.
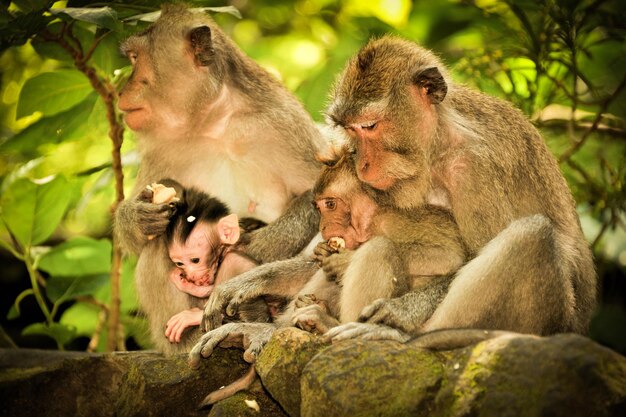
<point>420,139</point>
<point>209,117</point>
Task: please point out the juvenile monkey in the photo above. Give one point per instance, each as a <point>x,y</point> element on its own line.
<point>425,242</point>
<point>422,139</point>
<point>209,117</point>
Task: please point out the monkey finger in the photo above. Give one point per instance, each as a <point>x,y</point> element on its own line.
<point>257,342</point>
<point>346,331</point>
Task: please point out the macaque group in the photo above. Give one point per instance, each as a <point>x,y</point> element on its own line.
<point>420,140</point>
<point>209,117</point>
<point>423,247</point>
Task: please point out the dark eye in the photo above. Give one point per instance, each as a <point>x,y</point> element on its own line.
<point>132,57</point>
<point>369,125</point>
<point>180,264</point>
<point>330,204</point>
<point>195,260</point>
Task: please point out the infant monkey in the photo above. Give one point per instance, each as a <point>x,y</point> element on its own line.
<point>204,243</point>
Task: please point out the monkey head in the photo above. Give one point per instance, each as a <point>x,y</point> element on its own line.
<point>346,210</point>
<point>176,71</point>
<point>198,236</point>
<point>386,100</point>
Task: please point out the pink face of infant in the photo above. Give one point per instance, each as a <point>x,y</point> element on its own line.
<point>193,256</point>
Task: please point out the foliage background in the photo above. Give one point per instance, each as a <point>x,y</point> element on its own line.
<point>563,62</point>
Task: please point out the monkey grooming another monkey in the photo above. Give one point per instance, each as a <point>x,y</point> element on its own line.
<point>209,117</point>
<point>422,139</point>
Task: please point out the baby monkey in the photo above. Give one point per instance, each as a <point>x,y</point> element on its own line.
<point>204,242</point>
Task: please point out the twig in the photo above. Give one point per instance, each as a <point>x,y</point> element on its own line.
<point>574,148</point>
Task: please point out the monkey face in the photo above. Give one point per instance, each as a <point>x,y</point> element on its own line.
<point>194,258</point>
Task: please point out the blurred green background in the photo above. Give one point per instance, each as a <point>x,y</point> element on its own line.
<point>563,62</point>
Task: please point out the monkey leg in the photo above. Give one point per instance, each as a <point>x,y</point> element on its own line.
<point>371,275</point>
<point>314,319</point>
<point>520,281</point>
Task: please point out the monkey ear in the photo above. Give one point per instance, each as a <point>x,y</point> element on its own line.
<point>202,44</point>
<point>228,229</point>
<point>433,83</point>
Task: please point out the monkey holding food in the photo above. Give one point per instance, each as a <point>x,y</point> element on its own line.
<point>208,116</point>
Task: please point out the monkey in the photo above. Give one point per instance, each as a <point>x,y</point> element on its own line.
<point>424,243</point>
<point>209,117</point>
<point>422,139</point>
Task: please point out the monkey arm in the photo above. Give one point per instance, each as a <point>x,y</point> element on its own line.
<point>251,336</point>
<point>284,278</point>
<point>288,235</point>
<point>409,312</point>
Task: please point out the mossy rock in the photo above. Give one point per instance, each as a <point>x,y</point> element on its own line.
<point>281,362</point>
<point>359,378</point>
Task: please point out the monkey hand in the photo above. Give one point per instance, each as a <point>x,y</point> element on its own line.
<point>313,318</point>
<point>366,331</point>
<point>400,313</point>
<point>251,336</point>
<point>147,218</point>
<point>179,322</point>
<point>335,265</point>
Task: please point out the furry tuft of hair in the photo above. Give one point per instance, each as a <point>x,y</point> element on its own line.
<point>194,206</point>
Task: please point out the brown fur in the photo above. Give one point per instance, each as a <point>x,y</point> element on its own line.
<point>479,157</point>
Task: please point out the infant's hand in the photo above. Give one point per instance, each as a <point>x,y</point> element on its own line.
<point>179,322</point>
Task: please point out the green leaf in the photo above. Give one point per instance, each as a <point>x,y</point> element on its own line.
<point>102,16</point>
<point>78,256</point>
<point>51,49</point>
<point>31,211</point>
<point>67,125</point>
<point>61,333</point>
<point>60,289</point>
<point>83,317</point>
<point>20,28</point>
<point>53,92</point>
<point>107,57</point>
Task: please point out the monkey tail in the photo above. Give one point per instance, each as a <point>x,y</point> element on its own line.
<point>448,339</point>
<point>231,389</point>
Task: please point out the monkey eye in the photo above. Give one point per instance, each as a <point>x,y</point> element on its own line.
<point>330,204</point>
<point>132,56</point>
<point>369,125</point>
<point>179,264</point>
<point>195,260</point>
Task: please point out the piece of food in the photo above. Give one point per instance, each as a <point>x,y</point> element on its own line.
<point>162,194</point>
<point>336,243</point>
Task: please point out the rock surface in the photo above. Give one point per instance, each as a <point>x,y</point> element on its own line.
<point>563,375</point>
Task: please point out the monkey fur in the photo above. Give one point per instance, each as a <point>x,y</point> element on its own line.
<point>421,139</point>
